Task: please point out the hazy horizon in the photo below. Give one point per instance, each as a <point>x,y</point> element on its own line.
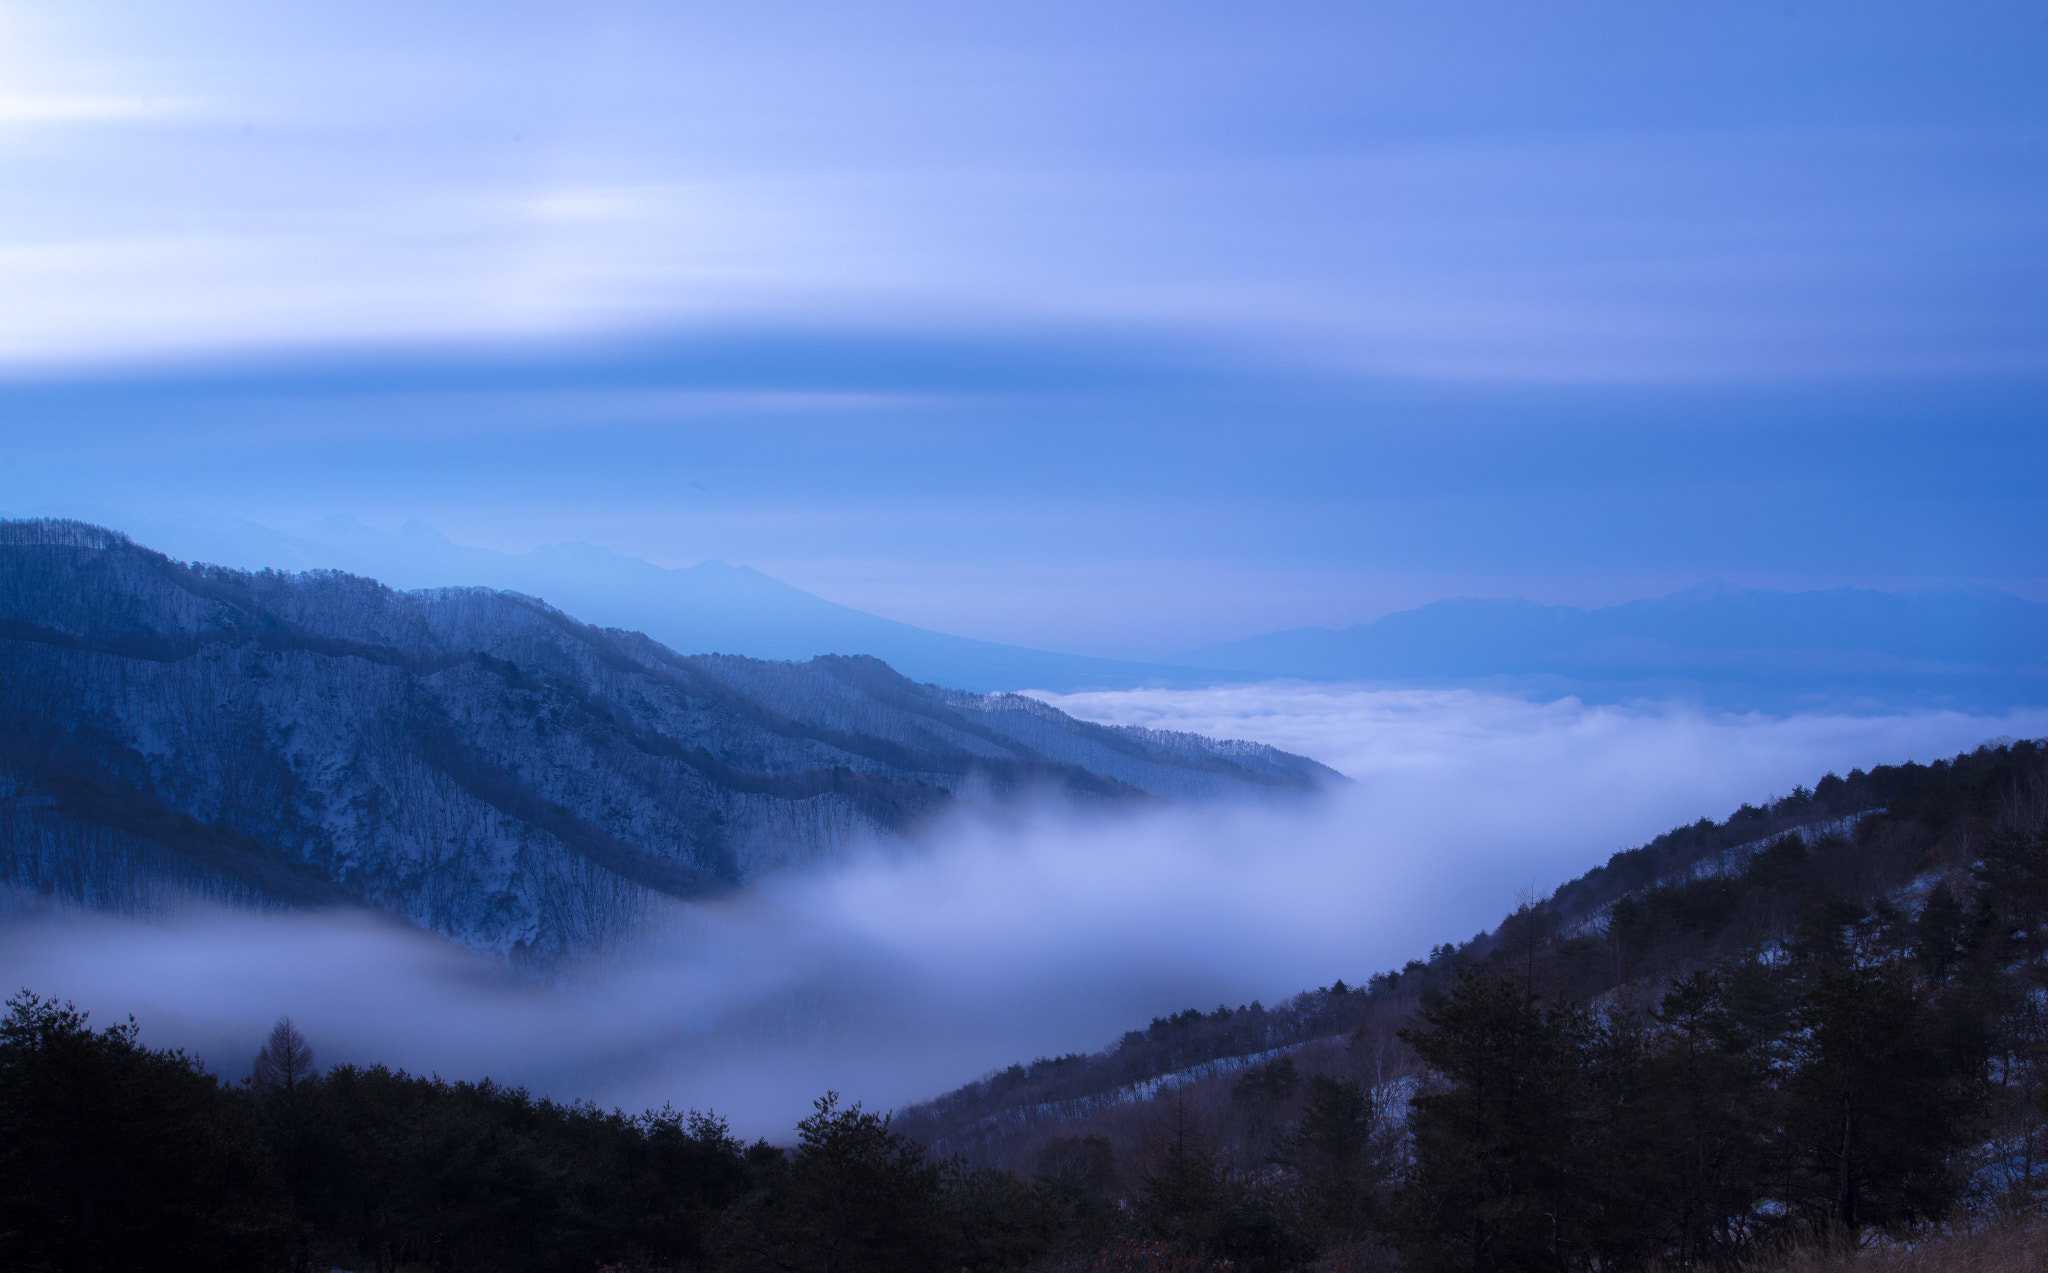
<point>212,539</point>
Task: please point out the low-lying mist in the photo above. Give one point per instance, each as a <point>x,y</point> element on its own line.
<point>996,939</point>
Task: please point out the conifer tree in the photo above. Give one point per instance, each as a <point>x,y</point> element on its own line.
<point>1870,1114</point>
<point>115,1156</point>
<point>1708,1084</point>
<point>1493,1186</point>
<point>1333,1150</point>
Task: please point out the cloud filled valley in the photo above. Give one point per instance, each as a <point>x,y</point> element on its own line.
<point>997,936</point>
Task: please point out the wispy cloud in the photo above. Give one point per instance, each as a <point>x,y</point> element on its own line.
<point>1598,196</point>
<point>76,109</point>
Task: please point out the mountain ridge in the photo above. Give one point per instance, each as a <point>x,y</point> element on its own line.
<point>708,607</point>
<point>476,761</point>
<point>1728,646</point>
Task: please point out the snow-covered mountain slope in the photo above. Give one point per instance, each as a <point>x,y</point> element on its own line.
<point>476,761</point>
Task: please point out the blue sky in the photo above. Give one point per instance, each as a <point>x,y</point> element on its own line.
<point>1111,328</point>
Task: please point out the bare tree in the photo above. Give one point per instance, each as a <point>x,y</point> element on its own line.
<point>286,1060</point>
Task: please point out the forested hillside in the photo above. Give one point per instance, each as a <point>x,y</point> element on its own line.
<point>1823,1011</point>
<point>476,762</point>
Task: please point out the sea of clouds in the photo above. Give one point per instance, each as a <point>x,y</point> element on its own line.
<point>1002,938</point>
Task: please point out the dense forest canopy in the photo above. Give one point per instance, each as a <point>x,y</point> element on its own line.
<point>1822,1019</point>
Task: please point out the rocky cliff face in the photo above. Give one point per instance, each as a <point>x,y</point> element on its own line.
<point>475,761</point>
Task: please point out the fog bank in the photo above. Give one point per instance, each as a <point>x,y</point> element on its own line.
<point>899,975</point>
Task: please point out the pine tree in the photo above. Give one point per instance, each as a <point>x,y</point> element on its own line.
<point>1871,1115</point>
<point>1493,1185</point>
<point>1707,1081</point>
<point>855,1197</point>
<point>1333,1149</point>
<point>116,1156</point>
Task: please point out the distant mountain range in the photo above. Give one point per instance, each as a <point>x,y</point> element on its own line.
<point>1746,647</point>
<point>1731,647</point>
<point>476,761</point>
<point>709,607</point>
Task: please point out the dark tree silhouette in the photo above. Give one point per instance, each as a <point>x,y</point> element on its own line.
<point>114,1156</point>
<point>285,1062</point>
<point>854,1197</point>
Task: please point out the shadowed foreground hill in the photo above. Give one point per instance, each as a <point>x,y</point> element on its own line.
<point>1823,1016</point>
<point>476,761</point>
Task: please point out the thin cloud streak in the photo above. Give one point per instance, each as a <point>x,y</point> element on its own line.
<point>1602,193</point>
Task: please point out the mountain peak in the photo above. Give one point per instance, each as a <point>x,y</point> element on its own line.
<point>344,531</point>
<point>1713,588</point>
<point>418,533</point>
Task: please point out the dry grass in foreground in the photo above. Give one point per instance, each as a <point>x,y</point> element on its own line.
<point>2010,1247</point>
